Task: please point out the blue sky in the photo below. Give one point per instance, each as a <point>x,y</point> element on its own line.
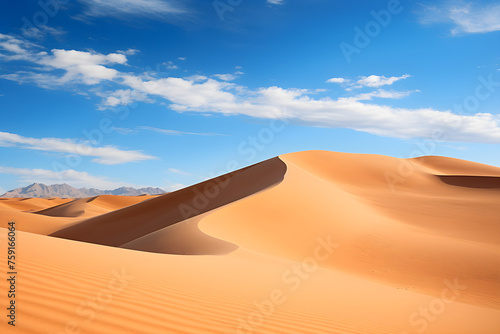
<point>168,93</point>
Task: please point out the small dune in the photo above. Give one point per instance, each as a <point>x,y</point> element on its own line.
<point>74,208</point>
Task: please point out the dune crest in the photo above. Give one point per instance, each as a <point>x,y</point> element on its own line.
<point>74,208</point>
<point>125,225</point>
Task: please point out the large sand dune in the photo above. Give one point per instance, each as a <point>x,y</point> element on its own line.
<point>308,242</point>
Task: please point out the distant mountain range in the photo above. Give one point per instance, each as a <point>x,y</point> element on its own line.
<point>67,191</point>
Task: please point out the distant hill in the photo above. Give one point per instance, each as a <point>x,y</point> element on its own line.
<point>67,191</point>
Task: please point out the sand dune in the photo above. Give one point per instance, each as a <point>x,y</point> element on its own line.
<point>308,242</point>
<point>122,226</point>
<point>92,206</point>
<point>113,202</point>
<point>29,212</point>
<point>183,238</point>
<point>74,208</point>
<point>31,204</point>
<point>452,166</point>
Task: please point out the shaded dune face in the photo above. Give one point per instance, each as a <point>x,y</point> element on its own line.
<point>471,181</point>
<point>74,208</point>
<point>91,206</point>
<point>183,238</point>
<point>121,227</point>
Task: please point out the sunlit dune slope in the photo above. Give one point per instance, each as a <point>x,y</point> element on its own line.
<point>413,234</point>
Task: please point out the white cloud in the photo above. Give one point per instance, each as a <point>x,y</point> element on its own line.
<point>381,94</point>
<point>276,2</point>
<point>379,80</point>
<point>196,78</point>
<point>122,97</point>
<point>344,112</point>
<point>124,131</point>
<point>467,18</point>
<point>184,94</point>
<point>170,65</point>
<point>178,171</point>
<point>225,77</point>
<point>182,58</point>
<point>129,52</point>
<point>79,66</point>
<point>41,31</point>
<point>177,133</point>
<point>106,155</point>
<point>126,8</point>
<point>207,95</point>
<point>18,49</point>
<point>470,19</point>
<point>336,80</point>
<point>71,177</point>
<point>86,66</point>
<point>43,80</point>
<point>172,186</point>
<point>369,81</point>
<point>295,104</point>
<point>68,58</point>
